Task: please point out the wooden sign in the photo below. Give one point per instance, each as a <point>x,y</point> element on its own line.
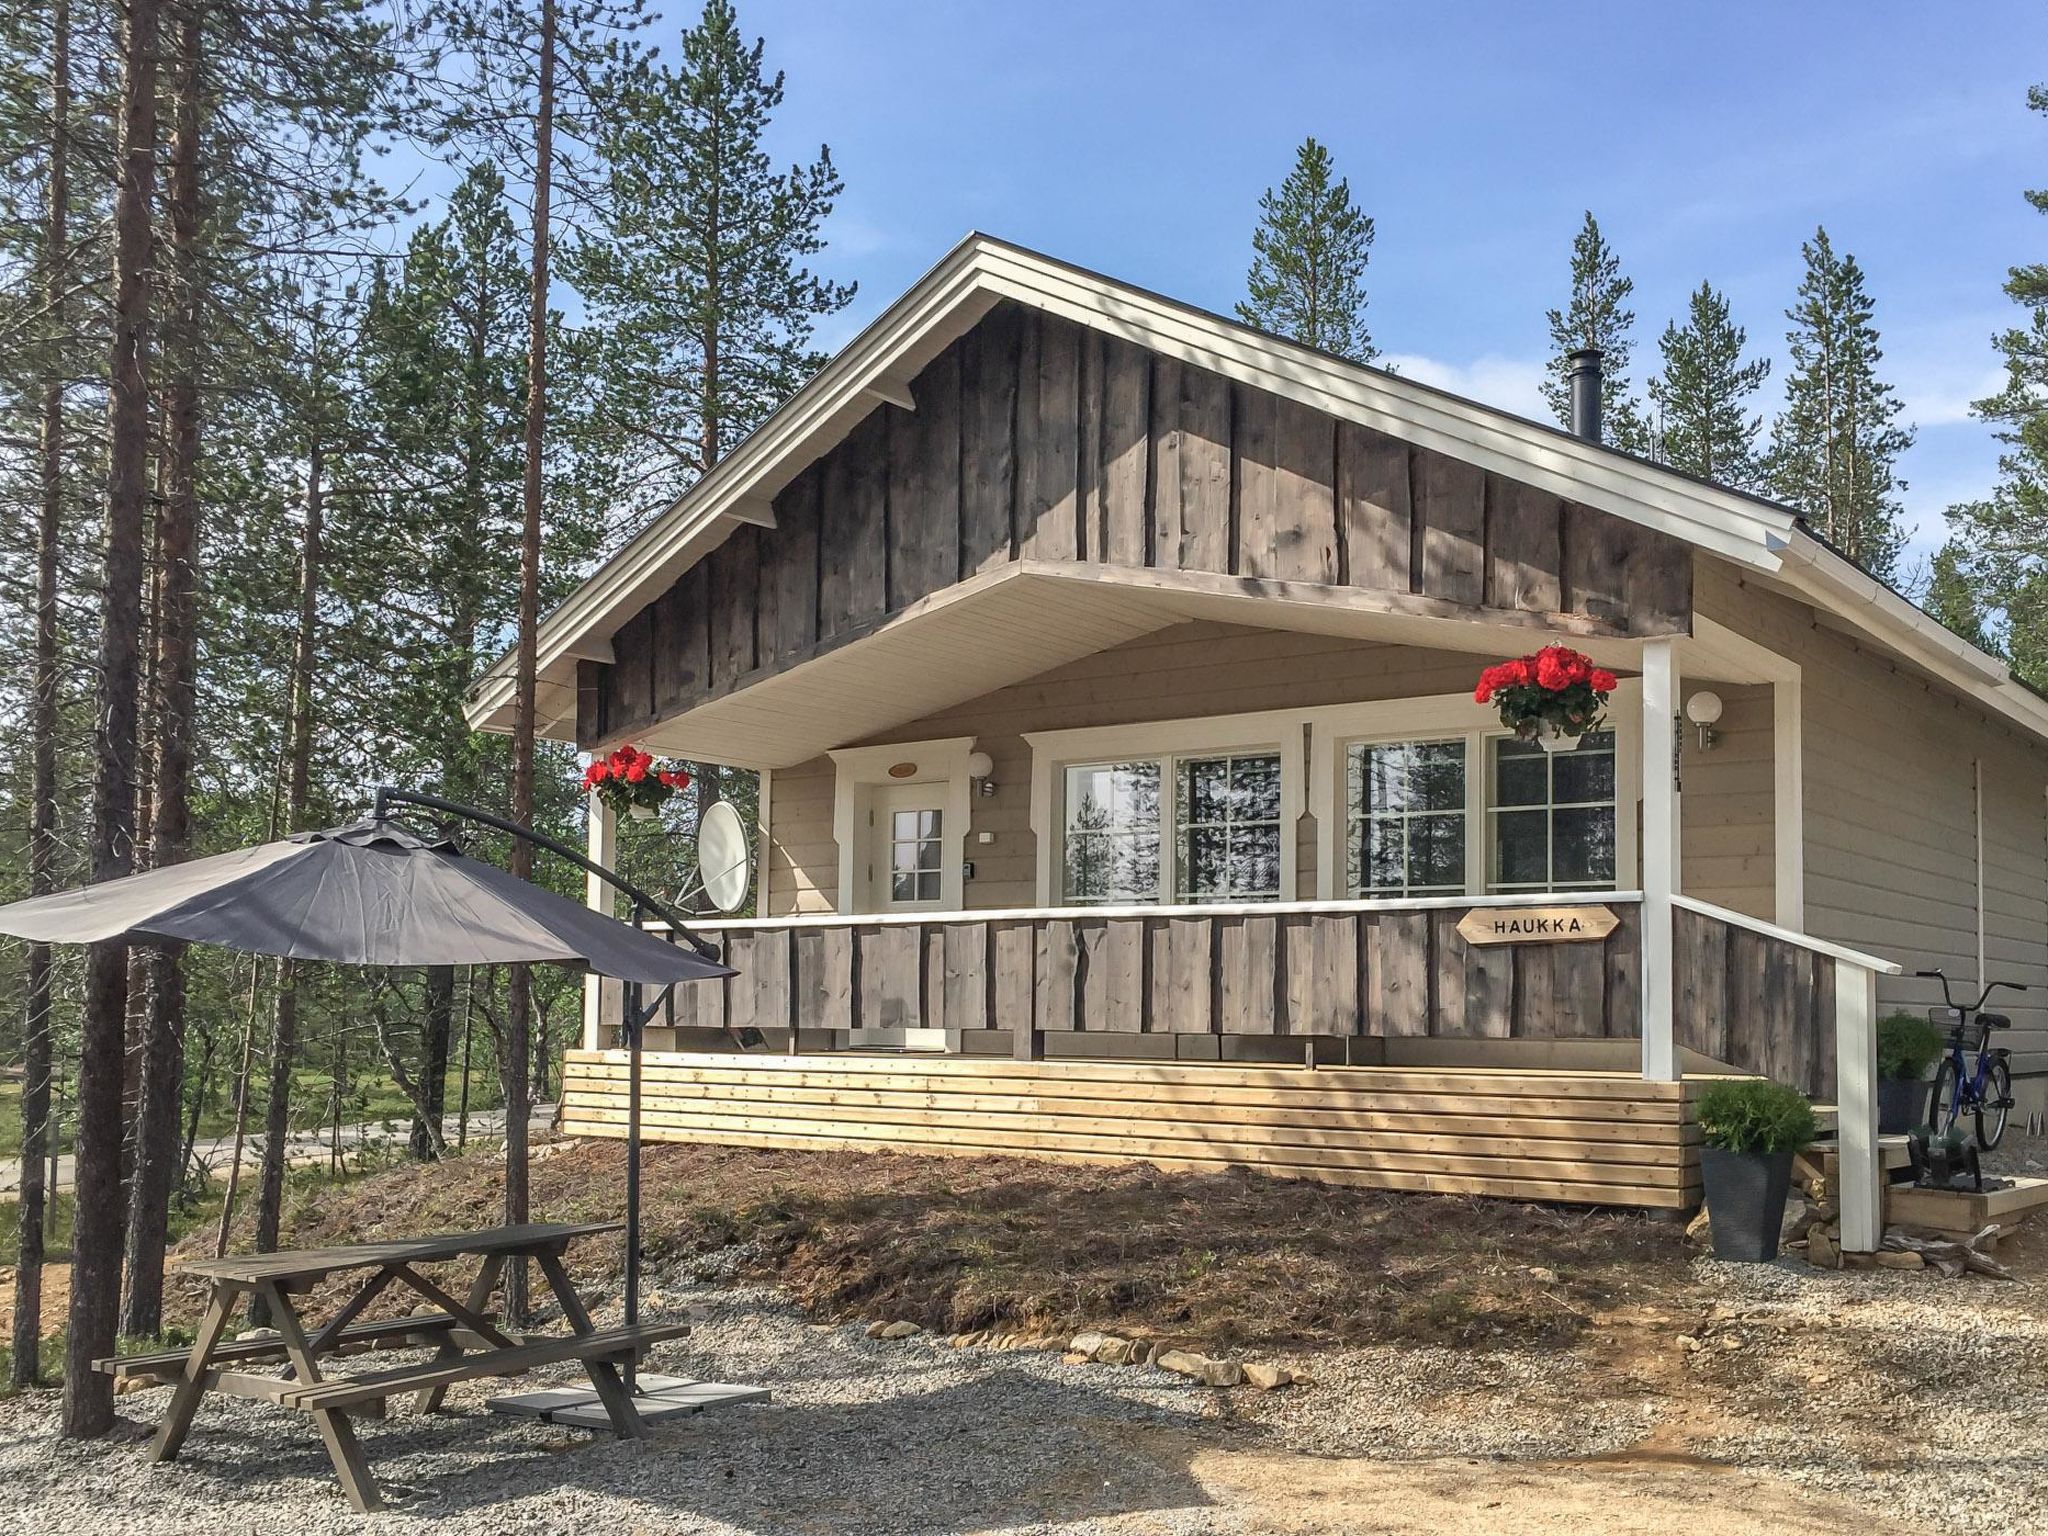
<point>1536,925</point>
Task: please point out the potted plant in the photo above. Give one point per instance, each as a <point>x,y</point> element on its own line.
<point>1552,697</point>
<point>1907,1045</point>
<point>1751,1129</point>
<point>635,782</point>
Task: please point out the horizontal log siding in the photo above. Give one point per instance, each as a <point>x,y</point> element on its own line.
<point>1600,1139</point>
<point>1890,817</point>
<point>1034,438</point>
<point>1014,982</point>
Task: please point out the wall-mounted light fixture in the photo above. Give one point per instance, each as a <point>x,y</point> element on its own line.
<point>979,766</point>
<point>1703,709</point>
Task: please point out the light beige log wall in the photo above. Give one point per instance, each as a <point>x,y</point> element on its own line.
<point>1890,813</point>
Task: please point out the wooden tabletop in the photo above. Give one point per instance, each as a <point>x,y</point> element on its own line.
<point>313,1263</point>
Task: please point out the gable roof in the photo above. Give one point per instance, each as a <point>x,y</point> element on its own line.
<point>981,271</point>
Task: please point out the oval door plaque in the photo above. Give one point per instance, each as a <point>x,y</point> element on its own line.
<point>1537,925</point>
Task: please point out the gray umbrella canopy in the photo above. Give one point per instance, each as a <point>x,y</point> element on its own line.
<point>369,894</point>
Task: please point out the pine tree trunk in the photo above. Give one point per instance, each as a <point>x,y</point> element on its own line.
<point>156,1157</point>
<point>434,1032</point>
<point>519,1003</point>
<point>42,724</point>
<point>284,1020</point>
<point>96,1233</point>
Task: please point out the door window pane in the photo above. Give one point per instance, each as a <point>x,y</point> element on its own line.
<point>916,856</point>
<point>1551,815</point>
<point>1229,828</point>
<point>1112,832</point>
<point>1406,818</point>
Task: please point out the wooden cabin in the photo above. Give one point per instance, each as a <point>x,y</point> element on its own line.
<point>1108,669</point>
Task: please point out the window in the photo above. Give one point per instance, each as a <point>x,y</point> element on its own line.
<point>1551,815</point>
<point>916,855</point>
<point>1189,828</point>
<point>1112,833</point>
<point>1405,828</point>
<point>1227,810</point>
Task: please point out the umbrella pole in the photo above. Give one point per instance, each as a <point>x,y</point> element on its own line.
<point>633,1022</point>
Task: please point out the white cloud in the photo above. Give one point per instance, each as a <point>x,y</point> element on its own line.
<point>1511,383</point>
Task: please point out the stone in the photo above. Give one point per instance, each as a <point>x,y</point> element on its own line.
<point>1088,1342</point>
<point>970,1339</point>
<point>1140,1353</point>
<point>1543,1276</point>
<point>1821,1252</point>
<point>900,1330</point>
<point>251,1335</point>
<point>1689,1344</point>
<point>1113,1351</point>
<point>875,1328</point>
<point>1181,1362</point>
<point>1894,1258</point>
<point>1268,1378</point>
<point>1700,1230</point>
<point>1222,1373</point>
<point>1075,1357</point>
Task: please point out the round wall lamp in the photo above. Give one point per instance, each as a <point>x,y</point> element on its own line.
<point>1703,709</point>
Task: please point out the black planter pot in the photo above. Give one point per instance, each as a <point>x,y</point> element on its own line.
<point>1901,1104</point>
<point>1745,1201</point>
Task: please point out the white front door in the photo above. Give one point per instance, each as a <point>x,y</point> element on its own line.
<point>906,852</point>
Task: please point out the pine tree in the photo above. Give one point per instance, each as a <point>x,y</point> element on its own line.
<point>699,283</point>
<point>1835,447</point>
<point>2001,542</point>
<point>1703,423</point>
<point>1598,316</point>
<point>1309,254</point>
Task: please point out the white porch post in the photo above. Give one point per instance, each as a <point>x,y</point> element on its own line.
<point>602,846</point>
<point>1861,1177</point>
<point>1660,855</point>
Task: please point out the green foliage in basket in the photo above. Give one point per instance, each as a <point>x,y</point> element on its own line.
<point>1755,1116</point>
<point>1907,1045</point>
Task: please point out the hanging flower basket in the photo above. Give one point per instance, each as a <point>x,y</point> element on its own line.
<point>1552,698</point>
<point>635,782</point>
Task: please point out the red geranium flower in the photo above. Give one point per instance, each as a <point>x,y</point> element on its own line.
<point>1602,681</point>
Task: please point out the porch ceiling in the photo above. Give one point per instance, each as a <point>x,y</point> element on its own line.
<point>1025,619</point>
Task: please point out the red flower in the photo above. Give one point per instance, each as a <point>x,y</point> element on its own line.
<point>1552,672</point>
<point>1602,681</point>
<point>636,772</point>
<point>596,774</point>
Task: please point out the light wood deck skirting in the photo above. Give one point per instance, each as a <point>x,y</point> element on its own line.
<point>1582,1137</point>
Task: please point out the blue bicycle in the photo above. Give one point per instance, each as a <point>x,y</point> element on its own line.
<point>1984,1091</point>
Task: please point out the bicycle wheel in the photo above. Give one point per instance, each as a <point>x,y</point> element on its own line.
<point>1946,1105</point>
<point>1996,1105</point>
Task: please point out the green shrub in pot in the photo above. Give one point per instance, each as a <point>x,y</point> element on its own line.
<point>1908,1045</point>
<point>1751,1129</point>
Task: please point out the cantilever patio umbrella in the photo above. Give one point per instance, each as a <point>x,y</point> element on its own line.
<point>379,893</point>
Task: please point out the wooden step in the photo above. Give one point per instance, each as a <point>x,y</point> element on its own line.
<point>609,1344</point>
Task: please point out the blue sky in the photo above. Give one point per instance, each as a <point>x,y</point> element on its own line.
<point>1708,139</point>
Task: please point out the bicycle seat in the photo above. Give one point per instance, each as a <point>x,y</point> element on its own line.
<point>1994,1021</point>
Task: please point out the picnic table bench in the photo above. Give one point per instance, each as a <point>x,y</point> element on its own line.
<point>467,1340</point>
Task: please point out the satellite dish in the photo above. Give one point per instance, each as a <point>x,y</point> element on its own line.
<point>725,856</point>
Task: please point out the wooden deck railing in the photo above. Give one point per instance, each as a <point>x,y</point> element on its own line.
<point>1757,999</point>
<point>1003,982</point>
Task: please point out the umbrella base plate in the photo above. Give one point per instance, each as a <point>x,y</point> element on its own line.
<point>657,1397</point>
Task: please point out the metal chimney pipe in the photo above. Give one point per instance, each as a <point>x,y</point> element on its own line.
<point>1583,368</point>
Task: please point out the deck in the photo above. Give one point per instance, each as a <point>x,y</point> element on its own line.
<point>1587,1137</point>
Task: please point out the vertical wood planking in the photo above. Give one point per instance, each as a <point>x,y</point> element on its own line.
<point>924,484</point>
<point>988,457</point>
<point>1304,494</point>
<point>1057,963</point>
<point>1748,1008</point>
<point>823,962</point>
<point>1398,973</point>
<point>1597,548</point>
<point>1192,1005</point>
<point>968,995</point>
<point>1014,950</point>
<point>853,584</point>
<point>1524,547</point>
<point>1255,423</point>
<point>793,562</point>
<point>1625,975</point>
<point>734,578</point>
<point>1048,441</point>
<point>1450,504</point>
<point>1204,455</point>
<point>1700,984</point>
<point>1121,534</point>
<point>1375,509</point>
<point>891,965</point>
<point>1247,961</point>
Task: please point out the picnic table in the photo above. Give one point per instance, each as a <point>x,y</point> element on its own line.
<point>465,1335</point>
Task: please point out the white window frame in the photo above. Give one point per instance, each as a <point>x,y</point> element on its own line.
<point>1053,752</point>
<point>1445,717</point>
<point>858,772</point>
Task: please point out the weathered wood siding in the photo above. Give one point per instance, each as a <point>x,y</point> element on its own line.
<point>1755,1003</point>
<point>1592,1138</point>
<point>1009,985</point>
<point>1034,438</point>
<point>1891,823</point>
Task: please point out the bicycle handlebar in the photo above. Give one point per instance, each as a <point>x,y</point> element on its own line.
<point>1977,1006</point>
